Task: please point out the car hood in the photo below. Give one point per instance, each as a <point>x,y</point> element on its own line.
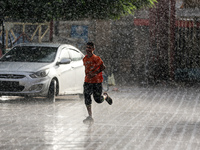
<point>22,66</point>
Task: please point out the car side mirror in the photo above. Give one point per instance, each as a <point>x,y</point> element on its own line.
<point>64,61</point>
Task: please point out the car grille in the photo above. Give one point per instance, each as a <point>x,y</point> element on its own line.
<point>10,86</point>
<point>11,76</point>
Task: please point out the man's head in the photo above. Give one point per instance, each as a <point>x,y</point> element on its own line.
<point>90,44</point>
<point>90,48</point>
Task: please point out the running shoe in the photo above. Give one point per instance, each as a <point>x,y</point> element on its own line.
<point>108,98</point>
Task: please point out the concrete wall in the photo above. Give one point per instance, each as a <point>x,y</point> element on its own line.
<point>124,47</point>
<point>121,45</point>
<point>141,46</point>
<point>123,50</point>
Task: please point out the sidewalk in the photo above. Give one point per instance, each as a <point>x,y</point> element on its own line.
<point>140,118</point>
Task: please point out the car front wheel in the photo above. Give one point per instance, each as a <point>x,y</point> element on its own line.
<point>52,91</point>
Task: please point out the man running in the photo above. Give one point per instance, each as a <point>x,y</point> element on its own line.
<point>93,80</point>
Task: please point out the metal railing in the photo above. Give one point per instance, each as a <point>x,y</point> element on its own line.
<point>40,31</point>
<point>187,49</point>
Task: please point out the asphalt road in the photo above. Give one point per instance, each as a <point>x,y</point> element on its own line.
<point>153,118</point>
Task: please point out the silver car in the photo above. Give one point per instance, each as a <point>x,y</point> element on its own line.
<point>45,70</point>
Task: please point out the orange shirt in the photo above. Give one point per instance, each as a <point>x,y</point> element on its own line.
<point>92,64</point>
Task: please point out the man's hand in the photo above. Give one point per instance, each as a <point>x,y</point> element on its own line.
<point>92,74</point>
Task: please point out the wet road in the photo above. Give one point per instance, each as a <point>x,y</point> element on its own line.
<point>140,119</point>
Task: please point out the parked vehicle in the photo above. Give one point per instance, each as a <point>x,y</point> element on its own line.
<point>45,70</point>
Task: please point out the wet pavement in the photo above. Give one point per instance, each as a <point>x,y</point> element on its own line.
<point>140,118</point>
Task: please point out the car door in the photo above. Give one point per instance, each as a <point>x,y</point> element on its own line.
<point>77,65</point>
<point>66,74</point>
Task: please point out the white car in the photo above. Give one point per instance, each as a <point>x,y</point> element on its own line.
<point>46,70</point>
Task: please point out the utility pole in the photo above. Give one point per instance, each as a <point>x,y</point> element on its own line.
<point>172,38</point>
<point>51,31</point>
<point>2,26</point>
<point>159,36</point>
<point>3,36</point>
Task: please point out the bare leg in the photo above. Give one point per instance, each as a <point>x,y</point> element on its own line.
<point>89,109</point>
<point>89,119</point>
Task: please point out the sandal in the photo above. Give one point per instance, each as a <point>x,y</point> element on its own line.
<point>108,99</point>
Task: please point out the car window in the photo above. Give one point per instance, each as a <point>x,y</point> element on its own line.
<point>30,54</point>
<point>64,54</point>
<point>75,55</point>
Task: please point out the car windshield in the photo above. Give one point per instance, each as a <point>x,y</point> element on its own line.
<point>31,54</point>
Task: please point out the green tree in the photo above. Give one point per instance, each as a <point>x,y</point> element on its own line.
<point>43,10</point>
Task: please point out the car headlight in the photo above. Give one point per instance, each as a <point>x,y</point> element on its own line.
<point>40,74</point>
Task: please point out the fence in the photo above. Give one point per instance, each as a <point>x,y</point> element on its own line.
<point>187,51</point>
<point>17,32</point>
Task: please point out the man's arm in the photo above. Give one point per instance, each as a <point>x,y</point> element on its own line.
<point>94,73</point>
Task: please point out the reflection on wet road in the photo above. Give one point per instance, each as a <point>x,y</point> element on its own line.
<point>139,119</point>
<point>38,124</point>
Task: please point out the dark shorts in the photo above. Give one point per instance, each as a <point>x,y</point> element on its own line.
<point>95,89</point>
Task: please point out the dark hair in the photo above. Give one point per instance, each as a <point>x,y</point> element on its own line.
<point>91,44</point>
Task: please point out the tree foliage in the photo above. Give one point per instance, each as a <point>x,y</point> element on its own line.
<point>45,10</point>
